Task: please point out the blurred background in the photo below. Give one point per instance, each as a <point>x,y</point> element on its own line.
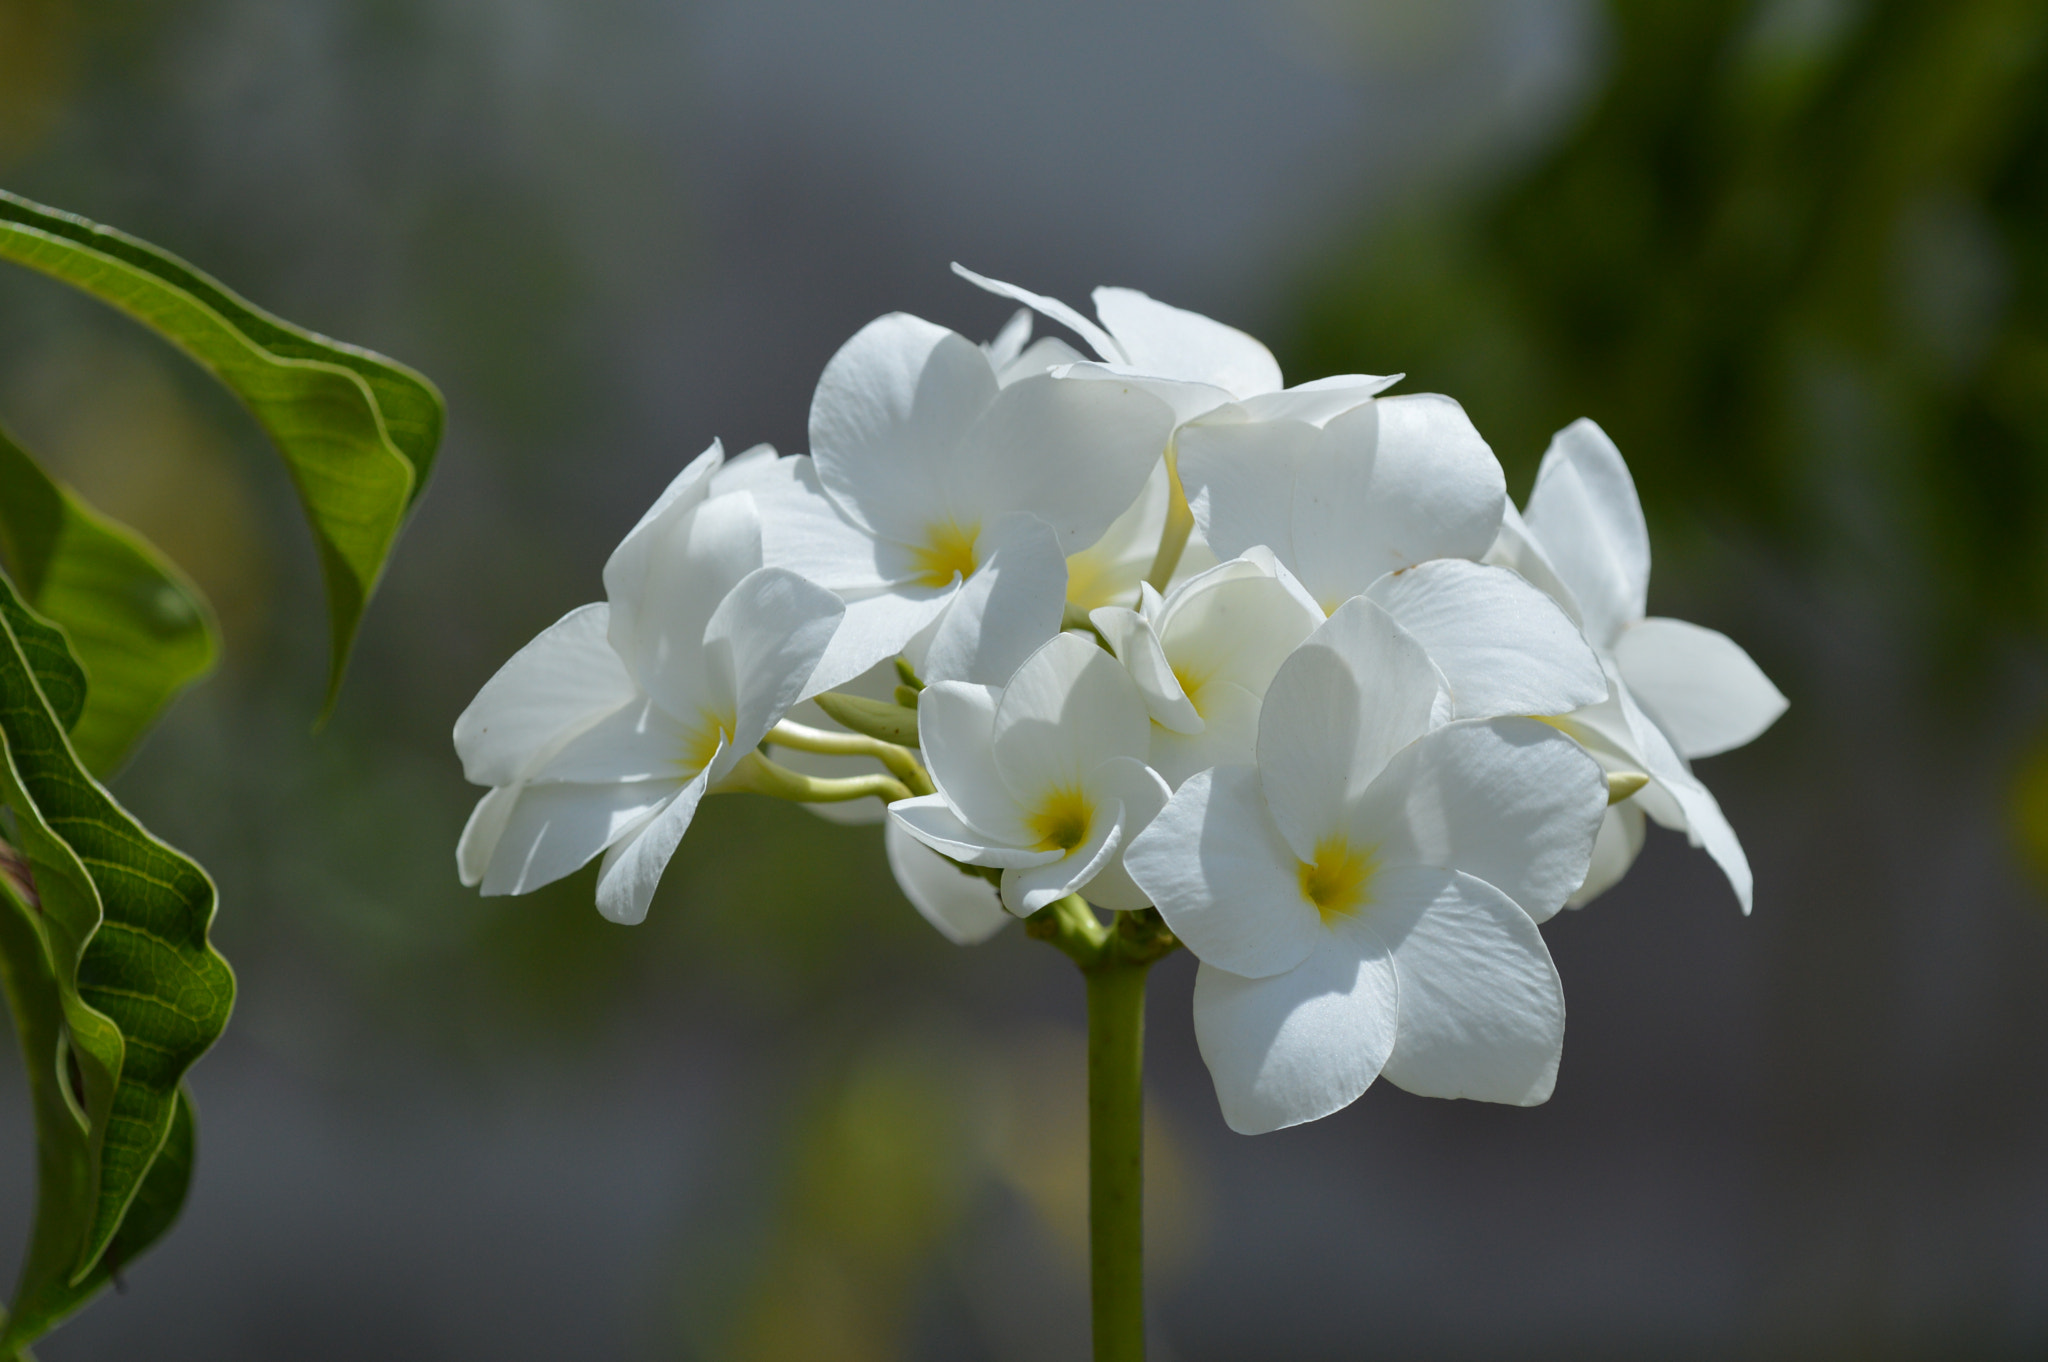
<point>1793,255</point>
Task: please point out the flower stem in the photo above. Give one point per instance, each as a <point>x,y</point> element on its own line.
<point>1116,1157</point>
<point>1114,960</point>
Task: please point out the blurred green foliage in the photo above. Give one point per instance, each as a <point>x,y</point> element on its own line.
<point>1794,258</point>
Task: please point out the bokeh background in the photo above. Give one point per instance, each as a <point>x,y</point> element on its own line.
<point>1792,254</point>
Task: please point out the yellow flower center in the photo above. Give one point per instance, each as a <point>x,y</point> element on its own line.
<point>1337,881</point>
<point>1061,820</point>
<point>1191,686</point>
<point>700,744</point>
<point>947,549</point>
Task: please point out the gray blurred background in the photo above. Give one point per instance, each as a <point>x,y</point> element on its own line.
<point>1793,255</point>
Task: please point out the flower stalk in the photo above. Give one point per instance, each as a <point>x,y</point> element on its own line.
<point>1114,960</point>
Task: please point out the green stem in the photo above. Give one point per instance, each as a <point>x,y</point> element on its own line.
<point>1113,960</point>
<point>755,774</point>
<point>1116,1157</point>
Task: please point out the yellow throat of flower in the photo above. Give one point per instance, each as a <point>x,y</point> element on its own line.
<point>948,548</point>
<point>700,744</point>
<point>1061,820</point>
<point>1339,881</point>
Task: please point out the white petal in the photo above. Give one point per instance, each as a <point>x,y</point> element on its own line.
<point>1171,342</point>
<point>965,908</point>
<point>1699,685</point>
<point>1074,454</point>
<point>626,571</point>
<point>1355,693</point>
<point>565,680</point>
<point>553,830</point>
<point>1229,736</point>
<point>772,630</point>
<point>1010,341</point>
<point>956,732</point>
<point>875,629</point>
<point>1503,646</point>
<point>1316,402</point>
<point>632,868</point>
<point>481,833</point>
<point>1068,709</point>
<point>929,819</point>
<point>1223,878</point>
<point>1702,819</point>
<point>637,741</point>
<point>803,529</point>
<point>1614,851</point>
<point>692,563</point>
<point>1512,801</point>
<point>1132,639</point>
<point>1390,484</point>
<point>1010,606</point>
<point>1051,308</point>
<point>1297,1046</point>
<point>887,420</point>
<point>1044,354</point>
<point>1185,399</point>
<point>1584,513</point>
<point>1482,1008</point>
<point>1139,791</point>
<point>1239,479</point>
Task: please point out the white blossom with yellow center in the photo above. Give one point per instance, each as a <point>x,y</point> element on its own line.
<point>1044,778</point>
<point>604,733</point>
<point>1364,897</point>
<point>945,487</point>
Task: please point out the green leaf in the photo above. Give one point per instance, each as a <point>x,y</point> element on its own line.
<point>115,991</point>
<point>873,718</point>
<point>141,631</point>
<point>357,431</point>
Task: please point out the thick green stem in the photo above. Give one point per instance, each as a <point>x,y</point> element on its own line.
<point>1116,1157</point>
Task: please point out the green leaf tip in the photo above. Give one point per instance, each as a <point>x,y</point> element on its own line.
<point>140,630</point>
<point>358,432</point>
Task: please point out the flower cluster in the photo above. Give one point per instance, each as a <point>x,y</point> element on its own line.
<point>1280,665</point>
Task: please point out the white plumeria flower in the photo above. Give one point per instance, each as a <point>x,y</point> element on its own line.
<point>940,503</point>
<point>1679,691</point>
<point>1364,899</point>
<point>1044,778</point>
<point>1193,362</point>
<point>1111,570</point>
<point>603,734</point>
<point>1203,655</point>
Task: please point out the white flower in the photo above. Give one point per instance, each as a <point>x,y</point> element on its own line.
<point>1364,899</point>
<point>1193,362</point>
<point>1203,655</point>
<point>603,734</point>
<point>1110,571</point>
<point>939,501</point>
<point>1679,691</point>
<point>1044,778</point>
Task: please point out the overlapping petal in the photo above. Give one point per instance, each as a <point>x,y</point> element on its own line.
<point>1584,512</point>
<point>1481,1005</point>
<point>1510,801</point>
<point>1296,1046</point>
<point>564,681</point>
